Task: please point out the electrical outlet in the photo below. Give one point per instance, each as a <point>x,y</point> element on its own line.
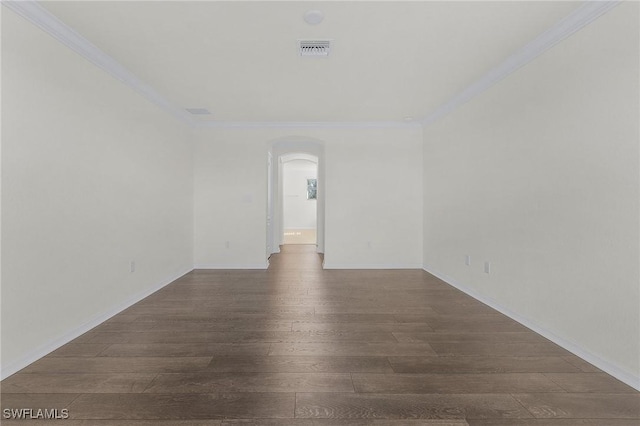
<point>227,244</point>
<point>369,245</point>
<point>487,267</point>
<point>467,260</point>
<point>132,266</point>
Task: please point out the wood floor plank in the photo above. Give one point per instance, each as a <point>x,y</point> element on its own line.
<point>480,364</point>
<point>167,326</point>
<point>250,382</point>
<point>267,422</point>
<point>343,422</point>
<point>228,316</point>
<point>35,400</point>
<point>361,327</point>
<point>491,318</point>
<point>141,326</point>
<point>223,308</point>
<point>352,349</point>
<point>297,345</point>
<point>453,383</point>
<point>77,383</point>
<point>182,406</point>
<point>241,337</point>
<point>79,349</point>
<point>510,349</point>
<point>581,364</point>
<point>125,316</point>
<point>476,323</point>
<point>382,306</point>
<point>118,365</point>
<point>300,364</point>
<point>590,382</point>
<point>582,405</point>
<point>350,318</point>
<point>389,422</point>
<point>472,308</point>
<point>451,406</point>
<point>505,337</point>
<point>552,422</point>
<point>185,349</point>
<point>68,422</point>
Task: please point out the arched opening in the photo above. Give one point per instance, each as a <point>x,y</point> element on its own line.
<point>280,152</point>
<point>299,199</point>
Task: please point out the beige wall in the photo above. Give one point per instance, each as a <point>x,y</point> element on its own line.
<point>539,175</point>
<point>93,177</point>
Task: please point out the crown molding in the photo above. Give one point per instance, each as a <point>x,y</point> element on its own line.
<point>305,124</point>
<point>589,11</point>
<point>49,23</point>
<point>45,20</point>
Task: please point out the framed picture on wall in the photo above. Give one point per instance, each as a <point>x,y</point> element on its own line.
<point>312,189</point>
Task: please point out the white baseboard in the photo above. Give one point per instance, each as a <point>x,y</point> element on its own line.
<point>264,265</point>
<point>56,343</point>
<point>604,365</point>
<point>331,265</point>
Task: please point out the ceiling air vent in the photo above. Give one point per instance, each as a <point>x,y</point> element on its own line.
<point>314,47</point>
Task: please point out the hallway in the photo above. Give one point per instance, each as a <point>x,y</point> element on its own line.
<point>299,345</point>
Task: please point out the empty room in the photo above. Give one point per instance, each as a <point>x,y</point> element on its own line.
<point>320,213</point>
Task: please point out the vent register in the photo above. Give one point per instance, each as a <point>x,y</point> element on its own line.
<point>314,47</point>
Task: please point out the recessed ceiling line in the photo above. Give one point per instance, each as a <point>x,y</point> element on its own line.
<point>305,124</point>
<point>588,12</point>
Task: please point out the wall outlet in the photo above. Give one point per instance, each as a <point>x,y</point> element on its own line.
<point>227,244</point>
<point>369,245</point>
<point>132,266</point>
<point>487,267</point>
<point>467,260</point>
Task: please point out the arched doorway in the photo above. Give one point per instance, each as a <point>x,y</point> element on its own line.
<point>299,199</point>
<point>279,151</point>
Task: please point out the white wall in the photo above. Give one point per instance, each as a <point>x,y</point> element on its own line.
<point>93,177</point>
<point>374,199</point>
<point>298,211</point>
<point>373,194</point>
<point>230,201</point>
<point>539,175</point>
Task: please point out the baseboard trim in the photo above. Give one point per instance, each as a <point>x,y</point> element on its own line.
<point>56,343</point>
<point>264,265</point>
<point>330,265</point>
<point>606,366</point>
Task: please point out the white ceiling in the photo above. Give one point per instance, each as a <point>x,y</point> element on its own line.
<point>389,60</point>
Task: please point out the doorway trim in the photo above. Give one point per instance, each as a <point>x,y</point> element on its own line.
<point>276,150</point>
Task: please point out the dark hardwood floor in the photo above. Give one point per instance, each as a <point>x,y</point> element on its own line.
<point>298,345</point>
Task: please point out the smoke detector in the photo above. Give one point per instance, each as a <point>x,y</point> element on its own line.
<point>315,47</point>
<point>313,17</point>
